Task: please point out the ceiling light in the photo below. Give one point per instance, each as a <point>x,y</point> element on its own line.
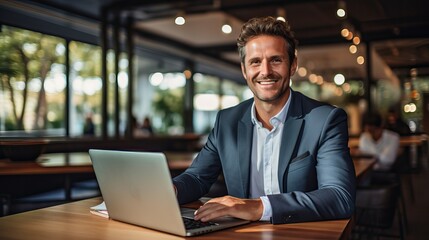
<point>226,28</point>
<point>341,11</point>
<point>281,14</point>
<point>281,19</point>
<point>339,79</point>
<point>180,19</point>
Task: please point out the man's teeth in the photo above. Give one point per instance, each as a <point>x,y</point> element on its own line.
<point>267,82</point>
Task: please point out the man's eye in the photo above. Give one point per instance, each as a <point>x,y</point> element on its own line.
<point>277,60</point>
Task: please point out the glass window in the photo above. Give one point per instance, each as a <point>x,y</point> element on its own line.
<point>233,93</point>
<point>85,77</point>
<point>123,92</point>
<point>206,102</point>
<point>167,102</point>
<point>32,83</point>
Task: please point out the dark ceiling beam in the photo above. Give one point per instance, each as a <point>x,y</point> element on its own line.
<point>55,6</point>
<point>183,46</point>
<point>409,66</point>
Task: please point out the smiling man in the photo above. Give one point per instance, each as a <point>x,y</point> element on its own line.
<point>284,156</point>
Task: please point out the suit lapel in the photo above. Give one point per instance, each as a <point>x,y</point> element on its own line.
<point>245,139</point>
<point>290,136</point>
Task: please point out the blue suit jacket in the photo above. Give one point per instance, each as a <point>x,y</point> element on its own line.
<point>316,174</point>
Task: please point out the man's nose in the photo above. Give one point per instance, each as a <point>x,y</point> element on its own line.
<point>265,68</point>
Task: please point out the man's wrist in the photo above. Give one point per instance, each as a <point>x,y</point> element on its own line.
<point>267,211</point>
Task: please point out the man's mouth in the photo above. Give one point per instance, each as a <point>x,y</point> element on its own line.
<point>267,82</point>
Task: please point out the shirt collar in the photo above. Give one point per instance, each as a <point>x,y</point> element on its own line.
<point>278,118</point>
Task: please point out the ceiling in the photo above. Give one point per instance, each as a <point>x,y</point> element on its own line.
<point>397,30</point>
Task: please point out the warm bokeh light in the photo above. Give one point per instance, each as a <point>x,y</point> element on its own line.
<point>353,49</point>
<point>356,40</point>
<point>319,80</point>
<point>312,78</point>
<point>360,60</point>
<point>345,32</point>
<point>410,108</point>
<point>187,73</point>
<point>349,36</point>
<point>347,88</point>
<point>302,71</point>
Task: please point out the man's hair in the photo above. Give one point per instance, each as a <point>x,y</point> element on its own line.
<point>266,26</point>
<point>373,119</point>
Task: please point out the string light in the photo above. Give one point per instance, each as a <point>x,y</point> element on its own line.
<point>341,11</point>
<point>353,49</point>
<point>360,60</point>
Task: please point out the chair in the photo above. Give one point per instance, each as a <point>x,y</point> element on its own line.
<point>376,208</point>
<point>385,178</point>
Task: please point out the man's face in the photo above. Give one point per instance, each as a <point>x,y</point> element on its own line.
<point>267,69</point>
<point>374,131</point>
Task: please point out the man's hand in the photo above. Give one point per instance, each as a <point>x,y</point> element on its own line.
<point>248,209</point>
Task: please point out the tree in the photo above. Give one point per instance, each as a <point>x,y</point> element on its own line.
<point>26,55</point>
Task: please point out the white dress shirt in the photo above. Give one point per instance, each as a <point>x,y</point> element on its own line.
<point>385,149</point>
<point>265,158</point>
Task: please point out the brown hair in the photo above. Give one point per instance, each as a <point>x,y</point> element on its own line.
<point>266,26</point>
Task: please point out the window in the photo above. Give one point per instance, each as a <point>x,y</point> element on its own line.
<point>213,94</point>
<point>86,83</point>
<point>32,83</point>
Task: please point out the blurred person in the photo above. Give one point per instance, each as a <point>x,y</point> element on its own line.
<point>146,127</point>
<point>284,156</point>
<point>379,142</point>
<point>89,127</point>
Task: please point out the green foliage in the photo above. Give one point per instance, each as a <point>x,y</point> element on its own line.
<point>26,55</point>
<point>169,104</point>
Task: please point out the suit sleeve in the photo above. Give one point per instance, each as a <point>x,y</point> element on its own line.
<point>196,181</point>
<point>335,196</point>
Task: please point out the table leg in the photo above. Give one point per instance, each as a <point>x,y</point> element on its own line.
<point>4,204</point>
<point>67,187</point>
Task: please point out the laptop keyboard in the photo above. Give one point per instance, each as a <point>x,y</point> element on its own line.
<point>193,224</point>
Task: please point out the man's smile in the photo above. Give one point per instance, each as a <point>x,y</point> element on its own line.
<point>267,81</point>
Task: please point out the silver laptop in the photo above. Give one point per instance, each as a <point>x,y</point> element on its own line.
<point>137,189</point>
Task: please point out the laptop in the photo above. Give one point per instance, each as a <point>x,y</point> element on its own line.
<point>137,189</point>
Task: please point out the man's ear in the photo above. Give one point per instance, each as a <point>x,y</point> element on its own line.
<point>243,71</point>
<point>293,66</point>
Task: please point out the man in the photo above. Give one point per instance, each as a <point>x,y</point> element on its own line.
<point>284,157</point>
<point>380,142</point>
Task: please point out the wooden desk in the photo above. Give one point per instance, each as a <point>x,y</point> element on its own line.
<point>52,163</point>
<point>74,221</point>
<point>64,164</point>
<point>404,141</point>
<point>417,144</point>
<point>362,166</point>
<point>71,163</point>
